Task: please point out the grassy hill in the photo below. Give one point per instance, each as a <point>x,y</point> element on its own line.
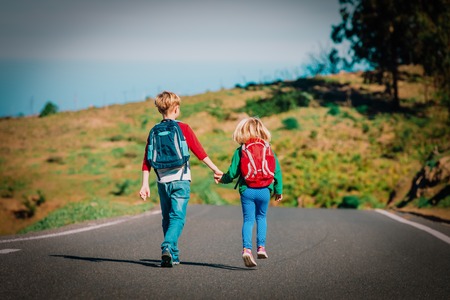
<point>338,143</point>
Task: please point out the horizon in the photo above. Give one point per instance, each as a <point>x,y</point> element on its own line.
<point>97,53</point>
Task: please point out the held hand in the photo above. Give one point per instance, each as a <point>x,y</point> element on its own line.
<point>278,197</point>
<point>217,175</point>
<point>144,192</point>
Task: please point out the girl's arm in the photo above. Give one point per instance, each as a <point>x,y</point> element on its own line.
<point>278,181</point>
<point>234,170</point>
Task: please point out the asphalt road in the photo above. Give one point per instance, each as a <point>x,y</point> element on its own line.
<point>313,254</point>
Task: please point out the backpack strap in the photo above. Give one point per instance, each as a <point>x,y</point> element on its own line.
<point>265,165</point>
<point>252,161</point>
<point>264,162</point>
<point>157,175</point>
<point>238,181</point>
<point>240,175</point>
<point>185,167</point>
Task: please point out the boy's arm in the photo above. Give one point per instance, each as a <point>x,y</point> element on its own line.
<point>192,141</point>
<point>196,147</point>
<point>145,189</point>
<point>145,164</point>
<point>217,173</point>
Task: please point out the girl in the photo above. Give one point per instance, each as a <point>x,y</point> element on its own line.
<point>255,201</point>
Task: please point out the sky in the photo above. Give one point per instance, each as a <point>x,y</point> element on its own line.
<point>97,52</point>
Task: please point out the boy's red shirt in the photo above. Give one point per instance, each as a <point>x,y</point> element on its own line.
<point>192,142</point>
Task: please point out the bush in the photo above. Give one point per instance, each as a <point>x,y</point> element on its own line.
<point>334,110</point>
<point>49,109</point>
<point>365,128</point>
<point>291,124</point>
<point>423,202</point>
<point>362,109</point>
<point>40,198</point>
<point>349,202</point>
<point>122,188</point>
<point>313,134</point>
<point>278,103</point>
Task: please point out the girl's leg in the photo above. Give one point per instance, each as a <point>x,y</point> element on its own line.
<point>248,212</point>
<point>262,198</point>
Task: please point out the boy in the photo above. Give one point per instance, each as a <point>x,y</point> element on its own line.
<point>173,183</point>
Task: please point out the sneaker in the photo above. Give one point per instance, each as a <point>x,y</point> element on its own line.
<point>166,258</point>
<point>262,254</point>
<point>176,261</point>
<point>247,256</point>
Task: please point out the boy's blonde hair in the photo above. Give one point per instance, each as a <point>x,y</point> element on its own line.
<point>251,128</point>
<point>166,101</point>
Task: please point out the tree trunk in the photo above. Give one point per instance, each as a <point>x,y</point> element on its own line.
<point>396,100</point>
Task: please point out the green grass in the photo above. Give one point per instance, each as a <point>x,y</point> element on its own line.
<point>84,211</point>
<point>207,195</point>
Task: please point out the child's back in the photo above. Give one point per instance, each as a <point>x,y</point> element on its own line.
<point>258,175</point>
<point>167,153</point>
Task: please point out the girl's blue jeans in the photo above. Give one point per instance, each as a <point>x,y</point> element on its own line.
<point>174,198</point>
<point>255,203</point>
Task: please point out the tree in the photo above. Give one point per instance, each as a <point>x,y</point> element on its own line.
<point>325,61</point>
<point>49,109</point>
<point>388,33</point>
<point>433,47</point>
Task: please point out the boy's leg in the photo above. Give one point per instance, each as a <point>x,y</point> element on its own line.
<point>262,198</point>
<point>166,204</point>
<point>179,192</point>
<point>248,212</point>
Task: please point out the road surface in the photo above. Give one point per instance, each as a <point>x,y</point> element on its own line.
<point>313,254</point>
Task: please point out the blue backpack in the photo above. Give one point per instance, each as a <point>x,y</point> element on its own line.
<point>167,147</point>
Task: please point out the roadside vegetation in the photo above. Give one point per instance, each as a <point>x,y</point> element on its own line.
<point>339,143</point>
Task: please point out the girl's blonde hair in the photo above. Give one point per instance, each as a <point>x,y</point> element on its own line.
<point>166,101</point>
<point>251,128</point>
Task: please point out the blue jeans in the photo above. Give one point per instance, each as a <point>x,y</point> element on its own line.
<point>255,203</point>
<point>174,198</point>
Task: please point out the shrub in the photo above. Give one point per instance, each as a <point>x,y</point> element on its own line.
<point>444,203</point>
<point>346,115</point>
<point>291,124</point>
<point>40,198</point>
<point>278,103</point>
<point>55,160</point>
<point>423,202</point>
<point>333,110</point>
<point>116,138</point>
<point>28,211</point>
<point>362,109</point>
<point>313,134</point>
<point>122,188</point>
<point>349,202</point>
<point>365,128</point>
<point>49,109</point>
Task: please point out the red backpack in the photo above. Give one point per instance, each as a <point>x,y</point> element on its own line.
<point>257,163</point>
